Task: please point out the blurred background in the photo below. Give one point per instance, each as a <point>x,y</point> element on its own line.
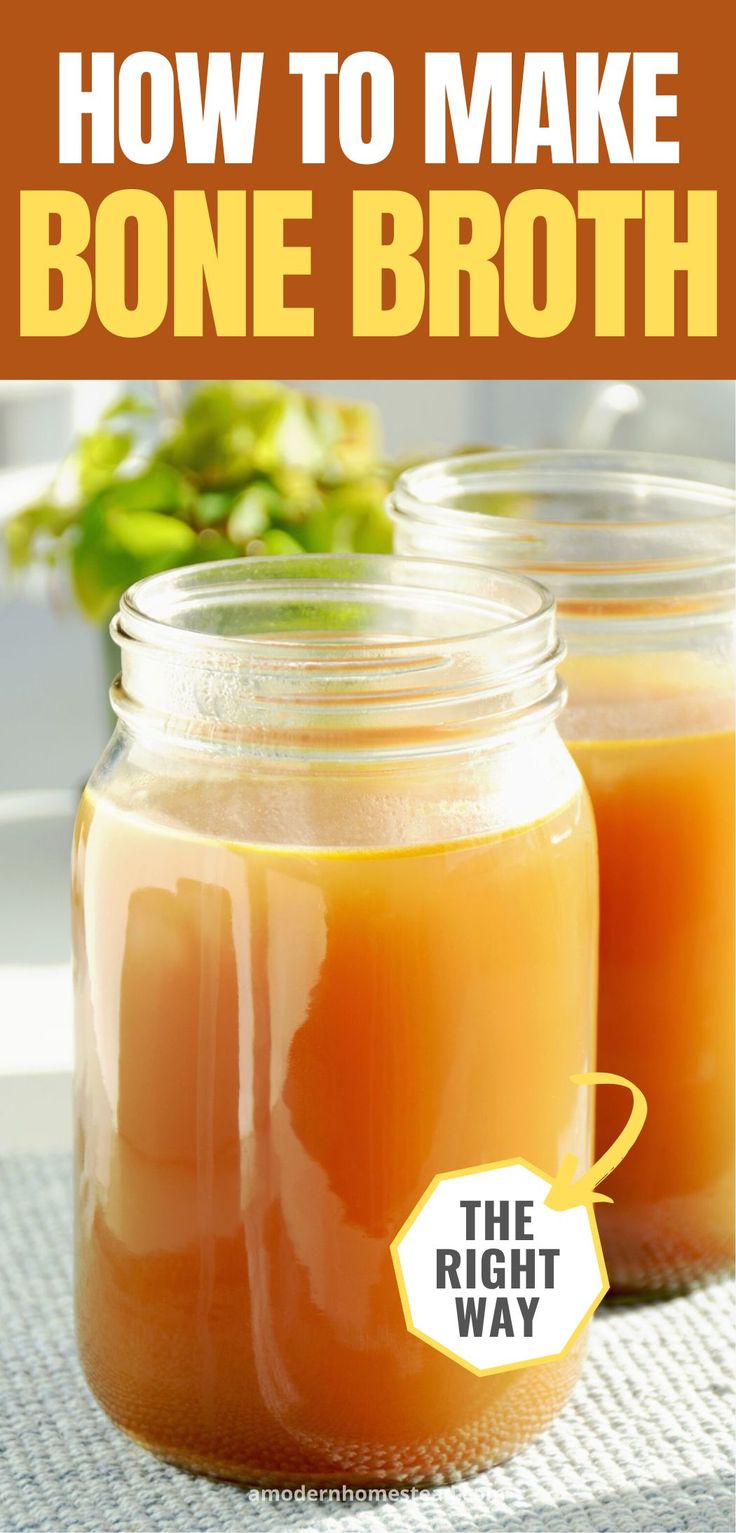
<point>54,665</point>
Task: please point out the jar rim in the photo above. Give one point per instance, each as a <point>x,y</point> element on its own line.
<point>635,536</point>
<point>318,644</point>
<point>157,609</point>
<point>692,488</point>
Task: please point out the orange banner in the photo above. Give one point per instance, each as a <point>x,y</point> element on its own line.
<point>536,193</point>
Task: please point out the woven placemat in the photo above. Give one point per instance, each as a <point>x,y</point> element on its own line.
<point>644,1446</point>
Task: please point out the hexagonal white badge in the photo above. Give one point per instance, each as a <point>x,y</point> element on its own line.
<point>500,1266</point>
<point>490,1275</point>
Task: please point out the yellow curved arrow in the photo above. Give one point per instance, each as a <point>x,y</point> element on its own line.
<point>564,1192</point>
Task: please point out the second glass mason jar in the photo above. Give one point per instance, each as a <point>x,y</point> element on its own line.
<point>335,911</point>
<point>639,553</point>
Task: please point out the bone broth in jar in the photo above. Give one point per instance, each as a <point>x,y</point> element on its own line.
<point>335,908</point>
<point>639,553</point>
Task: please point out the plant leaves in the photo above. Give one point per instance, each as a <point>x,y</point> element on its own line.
<point>151,535</point>
<point>212,507</point>
<point>156,488</point>
<point>246,466</point>
<point>251,512</point>
<point>32,532</point>
<point>116,547</point>
<point>129,404</point>
<point>99,455</point>
<point>276,541</point>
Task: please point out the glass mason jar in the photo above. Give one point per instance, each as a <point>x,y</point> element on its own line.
<point>639,553</point>
<point>335,909</point>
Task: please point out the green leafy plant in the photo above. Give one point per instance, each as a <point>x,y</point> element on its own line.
<point>240,469</point>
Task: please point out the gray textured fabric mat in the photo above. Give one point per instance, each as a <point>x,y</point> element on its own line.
<point>645,1445</point>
